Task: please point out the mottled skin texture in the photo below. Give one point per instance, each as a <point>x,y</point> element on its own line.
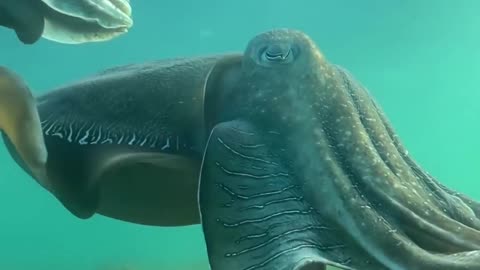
<point>306,167</point>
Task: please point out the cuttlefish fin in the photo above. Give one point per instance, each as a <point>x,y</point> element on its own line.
<point>253,215</point>
<point>25,17</point>
<point>20,125</point>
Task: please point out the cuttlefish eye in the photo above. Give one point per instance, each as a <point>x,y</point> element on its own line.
<point>277,53</point>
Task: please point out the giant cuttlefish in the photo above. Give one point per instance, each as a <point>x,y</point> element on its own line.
<point>295,165</point>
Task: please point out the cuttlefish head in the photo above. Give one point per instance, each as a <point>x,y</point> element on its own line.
<point>280,67</point>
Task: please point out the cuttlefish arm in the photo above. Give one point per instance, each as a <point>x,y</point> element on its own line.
<point>253,212</point>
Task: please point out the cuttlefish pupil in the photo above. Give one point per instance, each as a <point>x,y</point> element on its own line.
<point>278,53</point>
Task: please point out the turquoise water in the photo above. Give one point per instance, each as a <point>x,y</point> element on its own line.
<point>420,60</point>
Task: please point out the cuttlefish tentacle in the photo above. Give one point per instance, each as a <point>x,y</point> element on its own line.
<point>354,172</point>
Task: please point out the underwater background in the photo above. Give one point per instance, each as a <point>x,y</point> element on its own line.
<point>419,59</point>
